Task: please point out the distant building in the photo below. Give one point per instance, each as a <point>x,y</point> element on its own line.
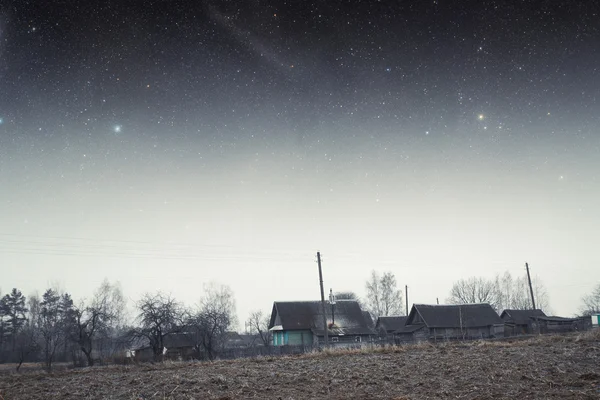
<point>561,324</point>
<point>386,326</point>
<point>520,322</point>
<point>450,322</point>
<point>297,323</point>
<point>177,347</point>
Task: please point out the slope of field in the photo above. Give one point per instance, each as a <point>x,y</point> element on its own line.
<point>553,367</point>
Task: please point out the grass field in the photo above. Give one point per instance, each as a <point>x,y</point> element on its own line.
<point>549,367</point>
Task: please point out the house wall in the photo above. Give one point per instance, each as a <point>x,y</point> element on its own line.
<point>346,340</point>
<point>458,333</point>
<point>296,338</point>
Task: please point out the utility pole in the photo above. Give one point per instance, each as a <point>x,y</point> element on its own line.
<point>406,298</point>
<point>530,287</point>
<point>323,300</point>
<point>437,300</point>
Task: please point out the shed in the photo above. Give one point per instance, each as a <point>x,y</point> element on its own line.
<point>520,322</point>
<point>450,322</point>
<point>386,326</point>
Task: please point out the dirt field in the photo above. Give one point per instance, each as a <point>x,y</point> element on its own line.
<point>557,367</point>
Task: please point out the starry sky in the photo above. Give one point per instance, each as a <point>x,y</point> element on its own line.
<point>166,144</point>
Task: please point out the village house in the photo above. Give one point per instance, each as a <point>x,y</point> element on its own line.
<point>386,326</point>
<point>560,324</point>
<point>520,322</point>
<point>450,322</point>
<point>177,347</point>
<point>300,323</point>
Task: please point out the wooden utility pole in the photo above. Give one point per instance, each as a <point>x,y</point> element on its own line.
<point>406,298</point>
<point>437,300</point>
<point>323,300</point>
<point>530,287</point>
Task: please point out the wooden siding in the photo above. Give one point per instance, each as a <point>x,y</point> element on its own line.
<point>297,338</point>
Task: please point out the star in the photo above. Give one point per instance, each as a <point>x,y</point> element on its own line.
<point>117,128</point>
<point>480,117</point>
<point>1,121</point>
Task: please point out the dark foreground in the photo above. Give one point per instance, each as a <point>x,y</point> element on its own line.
<point>557,367</point>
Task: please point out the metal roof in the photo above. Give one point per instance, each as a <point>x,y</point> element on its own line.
<point>520,317</point>
<point>455,316</point>
<point>307,315</point>
<point>391,324</point>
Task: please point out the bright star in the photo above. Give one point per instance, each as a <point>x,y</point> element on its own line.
<point>480,117</point>
<point>1,121</point>
<point>117,128</point>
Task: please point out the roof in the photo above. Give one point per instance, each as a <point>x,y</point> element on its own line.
<point>391,324</point>
<point>455,316</point>
<point>172,341</point>
<point>409,328</point>
<point>559,319</point>
<point>369,319</point>
<point>520,317</point>
<point>307,315</point>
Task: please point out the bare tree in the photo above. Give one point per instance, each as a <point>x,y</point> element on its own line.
<point>51,325</point>
<point>258,324</point>
<point>26,343</point>
<point>159,316</point>
<point>213,319</point>
<point>591,302</point>
<point>503,292</point>
<point>383,297</point>
<point>514,293</point>
<point>98,318</point>
<point>474,290</point>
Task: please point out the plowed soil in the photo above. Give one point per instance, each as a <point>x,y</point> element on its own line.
<point>552,367</point>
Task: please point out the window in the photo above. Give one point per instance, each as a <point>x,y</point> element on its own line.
<point>335,339</point>
<point>357,339</point>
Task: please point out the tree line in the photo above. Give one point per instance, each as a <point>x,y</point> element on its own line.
<point>53,328</point>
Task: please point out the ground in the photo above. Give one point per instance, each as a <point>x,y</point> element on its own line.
<point>552,367</point>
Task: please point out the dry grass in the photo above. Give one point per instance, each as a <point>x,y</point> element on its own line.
<point>548,367</point>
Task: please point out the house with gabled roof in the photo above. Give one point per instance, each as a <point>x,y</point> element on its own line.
<point>520,322</point>
<point>450,322</point>
<point>386,326</point>
<point>298,323</point>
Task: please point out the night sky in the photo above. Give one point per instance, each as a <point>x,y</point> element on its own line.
<point>167,144</point>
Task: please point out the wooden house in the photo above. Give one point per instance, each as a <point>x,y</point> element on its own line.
<point>177,346</point>
<point>560,324</point>
<point>450,322</point>
<point>520,322</point>
<point>300,323</point>
<point>386,326</point>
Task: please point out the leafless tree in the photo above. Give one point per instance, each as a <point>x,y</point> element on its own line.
<point>514,294</point>
<point>502,292</point>
<point>591,302</point>
<point>474,290</point>
<point>213,319</point>
<point>258,324</point>
<point>26,343</point>
<point>159,316</point>
<point>98,318</point>
<point>51,325</point>
<point>383,297</point>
